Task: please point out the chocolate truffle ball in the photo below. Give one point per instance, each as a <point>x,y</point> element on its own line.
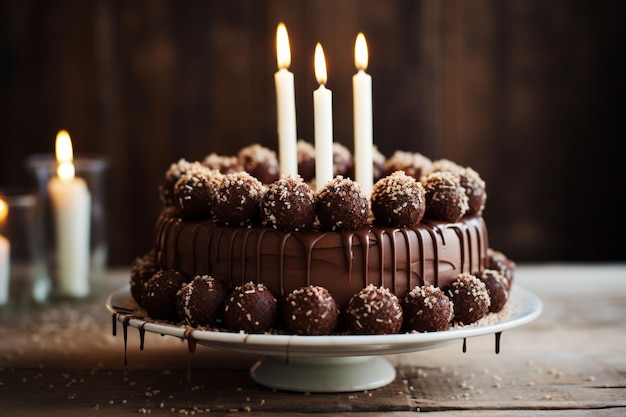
<point>373,310</point>
<point>238,199</point>
<point>398,200</point>
<point>413,164</point>
<point>470,298</point>
<point>172,175</point>
<point>500,262</point>
<point>159,295</point>
<point>310,310</point>
<point>289,204</point>
<point>142,269</point>
<point>470,180</point>
<point>475,189</point>
<point>222,163</point>
<point>260,162</point>
<point>201,301</point>
<point>306,160</point>
<point>427,309</point>
<point>445,198</point>
<point>496,287</point>
<point>341,205</point>
<point>251,308</point>
<point>194,192</point>
<point>342,160</point>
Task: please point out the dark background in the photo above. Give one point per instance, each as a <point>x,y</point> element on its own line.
<point>530,93</point>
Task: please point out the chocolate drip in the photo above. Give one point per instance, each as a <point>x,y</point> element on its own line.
<point>175,258</point>
<point>191,341</point>
<point>346,239</point>
<point>498,334</point>
<point>115,324</point>
<point>194,239</point>
<point>364,239</point>
<point>308,242</point>
<point>125,329</point>
<point>422,257</point>
<point>470,248</point>
<point>461,236</point>
<point>281,264</point>
<point>435,247</point>
<point>394,260</point>
<point>379,233</point>
<point>209,246</point>
<point>231,248</point>
<point>409,251</point>
<point>142,335</point>
<point>217,238</point>
<point>464,345</point>
<point>343,262</point>
<point>259,245</point>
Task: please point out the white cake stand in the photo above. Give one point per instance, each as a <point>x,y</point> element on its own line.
<point>342,363</point>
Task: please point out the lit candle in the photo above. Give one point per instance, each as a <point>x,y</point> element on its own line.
<point>71,204</point>
<point>323,122</point>
<point>5,257</point>
<point>362,97</point>
<point>285,105</point>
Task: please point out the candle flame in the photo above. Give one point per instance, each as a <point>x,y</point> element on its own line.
<point>65,156</point>
<point>360,52</point>
<point>320,64</point>
<point>283,51</point>
<point>4,210</point>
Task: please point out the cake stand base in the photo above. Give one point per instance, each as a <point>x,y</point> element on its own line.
<point>323,374</point>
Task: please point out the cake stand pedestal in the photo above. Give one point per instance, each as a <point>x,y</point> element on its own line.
<point>323,374</point>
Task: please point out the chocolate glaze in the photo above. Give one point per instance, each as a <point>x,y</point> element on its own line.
<point>433,252</point>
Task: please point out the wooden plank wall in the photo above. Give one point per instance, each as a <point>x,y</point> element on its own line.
<point>526,92</point>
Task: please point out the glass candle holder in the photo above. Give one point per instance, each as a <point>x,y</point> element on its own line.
<point>73,225</point>
<point>22,264</point>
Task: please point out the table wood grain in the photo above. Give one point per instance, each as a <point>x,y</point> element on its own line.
<point>62,359</point>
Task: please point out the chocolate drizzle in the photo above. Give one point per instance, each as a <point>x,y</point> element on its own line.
<point>115,324</point>
<point>348,252</point>
<point>498,335</point>
<point>125,329</point>
<point>191,341</point>
<point>142,335</point>
<point>364,238</point>
<point>433,252</point>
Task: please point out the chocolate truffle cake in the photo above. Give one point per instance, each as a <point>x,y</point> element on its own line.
<point>422,227</point>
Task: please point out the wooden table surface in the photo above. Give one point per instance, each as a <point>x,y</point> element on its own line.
<point>63,360</point>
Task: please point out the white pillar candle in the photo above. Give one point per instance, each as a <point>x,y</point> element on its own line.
<point>362,104</point>
<point>5,257</point>
<point>285,105</point>
<point>323,123</point>
<point>71,205</point>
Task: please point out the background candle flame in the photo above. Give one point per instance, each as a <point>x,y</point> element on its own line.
<point>360,52</point>
<point>64,155</point>
<point>283,51</point>
<point>320,64</point>
<point>4,210</point>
